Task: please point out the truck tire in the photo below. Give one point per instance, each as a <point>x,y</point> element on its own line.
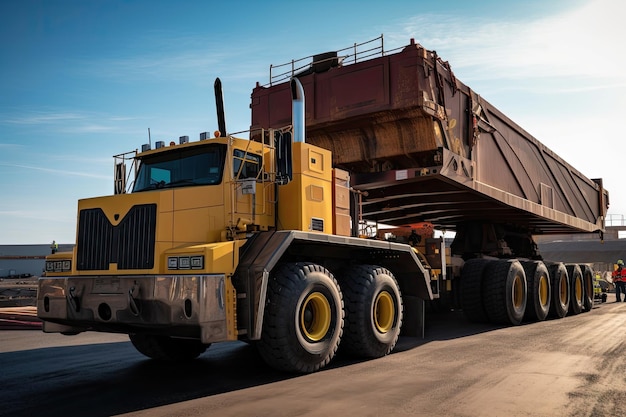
<point>167,348</point>
<point>587,287</point>
<point>577,290</point>
<point>373,306</point>
<point>539,291</point>
<point>559,281</point>
<point>303,319</point>
<point>472,290</point>
<point>504,285</point>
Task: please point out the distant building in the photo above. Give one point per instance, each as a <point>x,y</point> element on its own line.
<point>25,260</point>
<point>586,248</point>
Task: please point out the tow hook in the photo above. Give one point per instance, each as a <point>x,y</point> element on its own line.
<point>133,304</point>
<point>73,299</point>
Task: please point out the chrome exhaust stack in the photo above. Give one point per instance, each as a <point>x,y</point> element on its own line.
<point>297,110</point>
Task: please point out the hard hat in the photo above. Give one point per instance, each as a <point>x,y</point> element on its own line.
<point>620,262</point>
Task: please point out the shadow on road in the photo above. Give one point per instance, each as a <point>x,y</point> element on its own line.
<point>112,378</point>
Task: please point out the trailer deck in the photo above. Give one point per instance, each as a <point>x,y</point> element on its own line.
<point>425,147</point>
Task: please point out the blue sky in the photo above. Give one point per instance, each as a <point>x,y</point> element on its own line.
<point>81,81</point>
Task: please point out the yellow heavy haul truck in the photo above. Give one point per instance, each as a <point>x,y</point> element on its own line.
<point>315,232</point>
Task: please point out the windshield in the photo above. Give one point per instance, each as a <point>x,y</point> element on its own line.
<point>192,166</point>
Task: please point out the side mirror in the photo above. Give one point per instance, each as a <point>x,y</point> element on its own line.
<point>120,178</point>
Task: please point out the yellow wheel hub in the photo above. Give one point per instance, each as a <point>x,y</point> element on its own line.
<point>563,289</point>
<point>543,290</point>
<point>384,312</point>
<point>315,316</point>
<point>518,291</point>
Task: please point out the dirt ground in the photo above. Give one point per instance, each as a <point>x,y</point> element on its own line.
<point>18,292</point>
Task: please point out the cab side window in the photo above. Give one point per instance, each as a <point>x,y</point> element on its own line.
<point>246,165</point>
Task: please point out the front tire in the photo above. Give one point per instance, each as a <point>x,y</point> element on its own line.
<point>167,348</point>
<point>373,311</point>
<point>303,319</point>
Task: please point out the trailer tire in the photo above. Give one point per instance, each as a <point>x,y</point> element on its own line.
<point>588,287</point>
<point>472,290</point>
<point>539,291</point>
<point>577,290</point>
<point>559,281</point>
<point>167,348</point>
<point>504,284</point>
<point>373,306</point>
<point>303,318</point>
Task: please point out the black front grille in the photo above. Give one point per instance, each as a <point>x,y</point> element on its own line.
<point>130,244</point>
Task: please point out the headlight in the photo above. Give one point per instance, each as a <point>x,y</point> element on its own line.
<point>60,265</point>
<point>185,262</point>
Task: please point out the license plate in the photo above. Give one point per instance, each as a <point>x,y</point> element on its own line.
<point>106,286</point>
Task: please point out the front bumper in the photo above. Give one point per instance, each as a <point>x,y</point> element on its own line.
<point>201,307</point>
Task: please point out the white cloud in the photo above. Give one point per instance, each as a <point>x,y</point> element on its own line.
<point>581,42</point>
<point>11,146</point>
<point>57,171</point>
<point>36,118</point>
<point>68,122</point>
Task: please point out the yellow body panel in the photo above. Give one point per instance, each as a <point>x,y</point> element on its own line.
<point>221,257</point>
<point>195,218</point>
<point>306,202</point>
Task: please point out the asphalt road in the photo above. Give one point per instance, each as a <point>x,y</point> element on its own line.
<point>569,367</point>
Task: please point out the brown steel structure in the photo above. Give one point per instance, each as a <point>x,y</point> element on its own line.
<point>424,147</point>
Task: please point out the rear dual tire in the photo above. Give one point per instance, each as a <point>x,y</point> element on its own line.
<point>560,283</point>
<point>587,274</point>
<point>374,309</point>
<point>577,289</point>
<point>505,291</point>
<point>539,291</point>
<point>472,290</point>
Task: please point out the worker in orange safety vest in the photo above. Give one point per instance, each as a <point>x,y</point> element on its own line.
<point>619,279</point>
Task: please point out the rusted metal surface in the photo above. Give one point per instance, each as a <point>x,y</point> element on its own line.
<point>426,147</point>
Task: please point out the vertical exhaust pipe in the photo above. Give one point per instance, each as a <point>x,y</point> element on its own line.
<point>219,105</point>
<point>297,110</point>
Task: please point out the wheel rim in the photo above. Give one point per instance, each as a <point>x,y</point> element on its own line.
<point>384,312</point>
<point>543,290</point>
<point>518,292</point>
<point>315,316</point>
<point>589,286</point>
<point>579,290</point>
<point>563,290</point>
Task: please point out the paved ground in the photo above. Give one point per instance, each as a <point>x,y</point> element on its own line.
<point>569,367</point>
